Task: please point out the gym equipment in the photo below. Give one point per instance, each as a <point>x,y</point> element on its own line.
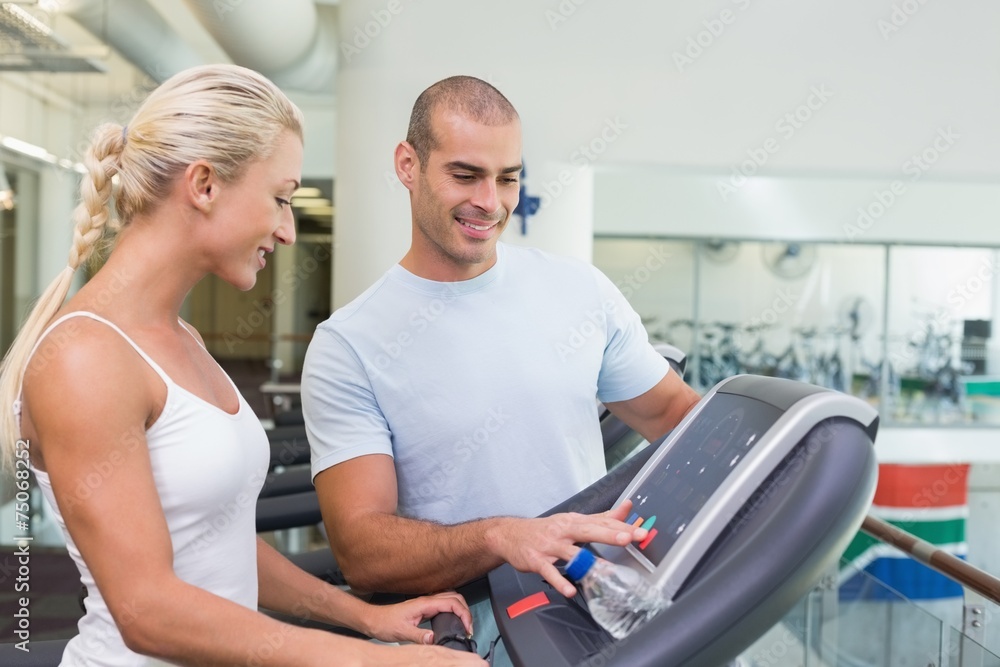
<point>748,502</point>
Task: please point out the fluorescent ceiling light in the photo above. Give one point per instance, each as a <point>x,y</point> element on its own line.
<point>307,192</point>
<point>319,211</point>
<point>28,19</point>
<point>31,150</point>
<point>39,153</point>
<point>304,202</point>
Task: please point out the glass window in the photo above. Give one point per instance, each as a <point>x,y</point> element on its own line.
<point>908,328</point>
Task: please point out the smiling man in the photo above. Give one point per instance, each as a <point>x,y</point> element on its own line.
<point>442,407</point>
<point>462,170</point>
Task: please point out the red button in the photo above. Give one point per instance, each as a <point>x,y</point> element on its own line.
<point>534,601</point>
<point>649,538</point>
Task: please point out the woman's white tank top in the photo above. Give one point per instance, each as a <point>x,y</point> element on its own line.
<point>208,466</point>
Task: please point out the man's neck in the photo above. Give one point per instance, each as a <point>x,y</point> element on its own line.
<point>444,270</point>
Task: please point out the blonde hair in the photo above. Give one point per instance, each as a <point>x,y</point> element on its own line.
<point>227,115</point>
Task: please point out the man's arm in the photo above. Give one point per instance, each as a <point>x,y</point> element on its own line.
<point>380,551</point>
<point>660,409</point>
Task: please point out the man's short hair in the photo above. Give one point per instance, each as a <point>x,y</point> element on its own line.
<point>466,95</point>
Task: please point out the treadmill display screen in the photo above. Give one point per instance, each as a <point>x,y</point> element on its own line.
<point>697,463</point>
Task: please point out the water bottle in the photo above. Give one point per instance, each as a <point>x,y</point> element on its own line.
<point>618,597</point>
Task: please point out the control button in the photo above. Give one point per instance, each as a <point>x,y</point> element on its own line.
<point>533,601</point>
<point>649,538</point>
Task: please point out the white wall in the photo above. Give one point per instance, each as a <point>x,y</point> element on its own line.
<point>887,96</point>
<point>615,60</point>
<point>841,209</point>
<point>599,86</point>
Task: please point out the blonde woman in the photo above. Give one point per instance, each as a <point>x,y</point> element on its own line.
<point>137,437</point>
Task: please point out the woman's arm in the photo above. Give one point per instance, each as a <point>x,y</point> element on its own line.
<point>285,588</point>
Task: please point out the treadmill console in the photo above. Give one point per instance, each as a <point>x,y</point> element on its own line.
<point>756,462</point>
<point>710,466</point>
<point>669,497</point>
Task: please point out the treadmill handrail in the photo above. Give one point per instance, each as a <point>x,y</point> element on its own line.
<point>953,567</point>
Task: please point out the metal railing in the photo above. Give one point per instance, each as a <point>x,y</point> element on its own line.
<point>956,569</point>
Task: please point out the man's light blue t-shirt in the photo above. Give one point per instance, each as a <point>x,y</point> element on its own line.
<point>484,391</point>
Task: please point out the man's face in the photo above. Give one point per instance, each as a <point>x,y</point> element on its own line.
<point>463,196</point>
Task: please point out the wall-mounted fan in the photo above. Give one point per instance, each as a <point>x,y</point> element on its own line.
<point>789,260</point>
<point>720,251</point>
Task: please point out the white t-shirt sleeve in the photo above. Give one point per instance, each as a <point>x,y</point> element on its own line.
<point>343,419</point>
<point>631,366</point>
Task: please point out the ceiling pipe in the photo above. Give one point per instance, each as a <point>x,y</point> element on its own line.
<point>290,42</point>
<point>137,31</point>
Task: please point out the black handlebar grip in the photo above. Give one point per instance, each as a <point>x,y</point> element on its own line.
<point>449,631</point>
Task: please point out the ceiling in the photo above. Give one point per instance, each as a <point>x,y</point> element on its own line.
<point>30,45</point>
<point>42,40</point>
<point>69,50</point>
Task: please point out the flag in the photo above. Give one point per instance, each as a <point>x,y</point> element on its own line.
<point>928,501</point>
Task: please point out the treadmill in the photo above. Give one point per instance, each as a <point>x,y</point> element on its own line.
<point>748,502</point>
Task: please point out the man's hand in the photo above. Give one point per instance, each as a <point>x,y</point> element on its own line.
<point>534,545</point>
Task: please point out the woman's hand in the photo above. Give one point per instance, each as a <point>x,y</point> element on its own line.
<point>398,622</point>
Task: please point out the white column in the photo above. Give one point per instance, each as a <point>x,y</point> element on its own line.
<point>372,223</point>
<point>564,223</point>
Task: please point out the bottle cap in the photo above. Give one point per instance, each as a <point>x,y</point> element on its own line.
<point>578,568</point>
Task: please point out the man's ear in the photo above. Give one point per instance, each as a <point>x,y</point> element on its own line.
<point>407,164</point>
<point>201,185</point>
